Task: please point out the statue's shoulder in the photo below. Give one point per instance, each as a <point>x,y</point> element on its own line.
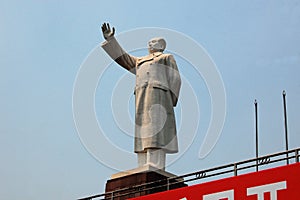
<point>167,56</point>
<point>157,55</point>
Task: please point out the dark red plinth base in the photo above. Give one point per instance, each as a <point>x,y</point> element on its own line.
<point>135,185</point>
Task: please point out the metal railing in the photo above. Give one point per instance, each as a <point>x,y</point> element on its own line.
<point>233,168</point>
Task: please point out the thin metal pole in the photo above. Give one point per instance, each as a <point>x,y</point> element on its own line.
<point>256,134</point>
<point>285,125</point>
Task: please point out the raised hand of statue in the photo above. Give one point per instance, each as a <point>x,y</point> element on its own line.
<point>107,32</point>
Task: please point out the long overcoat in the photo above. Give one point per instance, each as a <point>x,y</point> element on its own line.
<point>156,93</point>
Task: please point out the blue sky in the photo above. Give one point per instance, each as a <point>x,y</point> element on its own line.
<point>255,45</point>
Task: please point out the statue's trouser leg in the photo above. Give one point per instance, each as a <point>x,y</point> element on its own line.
<point>154,157</point>
<point>142,159</point>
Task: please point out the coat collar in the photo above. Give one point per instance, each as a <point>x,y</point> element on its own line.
<point>156,54</point>
<point>149,57</point>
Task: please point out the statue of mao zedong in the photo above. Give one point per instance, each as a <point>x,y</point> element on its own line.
<point>156,93</point>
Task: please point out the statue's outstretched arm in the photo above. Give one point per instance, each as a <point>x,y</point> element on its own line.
<point>115,51</point>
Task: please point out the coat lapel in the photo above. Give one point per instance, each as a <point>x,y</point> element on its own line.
<point>148,58</point>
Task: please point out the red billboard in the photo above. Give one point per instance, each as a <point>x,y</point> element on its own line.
<point>281,183</point>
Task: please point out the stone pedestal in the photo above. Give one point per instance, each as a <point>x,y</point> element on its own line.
<point>139,182</point>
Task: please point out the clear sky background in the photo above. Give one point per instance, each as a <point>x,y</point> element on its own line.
<point>255,44</point>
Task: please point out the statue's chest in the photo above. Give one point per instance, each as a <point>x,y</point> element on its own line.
<point>150,70</point>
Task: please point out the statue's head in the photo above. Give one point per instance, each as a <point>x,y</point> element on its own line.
<point>156,45</point>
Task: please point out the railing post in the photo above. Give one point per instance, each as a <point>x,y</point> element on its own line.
<point>112,196</point>
<point>297,155</point>
<point>168,184</point>
<point>235,169</point>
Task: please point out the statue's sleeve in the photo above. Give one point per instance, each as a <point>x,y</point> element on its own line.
<point>174,80</point>
<point>116,52</point>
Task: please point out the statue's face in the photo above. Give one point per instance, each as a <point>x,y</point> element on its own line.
<point>154,45</point>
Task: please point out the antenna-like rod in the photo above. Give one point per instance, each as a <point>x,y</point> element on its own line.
<point>285,125</point>
<point>256,134</point>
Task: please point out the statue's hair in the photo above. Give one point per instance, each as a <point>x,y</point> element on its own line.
<point>163,42</point>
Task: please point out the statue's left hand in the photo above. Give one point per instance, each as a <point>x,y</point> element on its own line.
<point>107,32</point>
